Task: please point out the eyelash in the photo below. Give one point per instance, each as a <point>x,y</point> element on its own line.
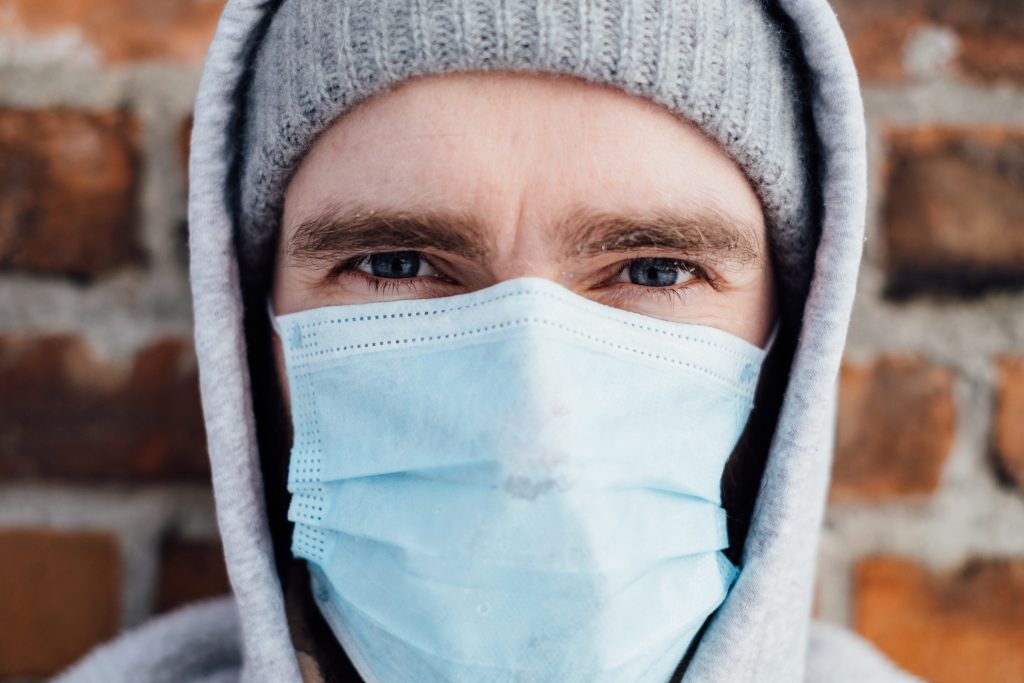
<point>393,286</point>
<point>381,285</point>
<point>676,294</point>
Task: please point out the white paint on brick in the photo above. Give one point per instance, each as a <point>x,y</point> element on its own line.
<point>19,46</point>
<point>929,52</point>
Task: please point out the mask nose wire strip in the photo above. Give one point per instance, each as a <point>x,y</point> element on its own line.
<point>280,334</point>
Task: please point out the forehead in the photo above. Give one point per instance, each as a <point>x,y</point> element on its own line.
<point>500,145</point>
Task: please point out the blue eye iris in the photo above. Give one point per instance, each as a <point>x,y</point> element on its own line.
<point>654,272</point>
<point>395,264</point>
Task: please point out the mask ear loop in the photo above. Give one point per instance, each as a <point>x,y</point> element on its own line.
<point>273,320</point>
<point>772,337</point>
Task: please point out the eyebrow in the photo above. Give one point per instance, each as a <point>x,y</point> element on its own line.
<point>708,235</point>
<point>346,231</point>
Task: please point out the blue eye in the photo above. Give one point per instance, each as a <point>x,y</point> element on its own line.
<point>393,264</point>
<point>656,272</point>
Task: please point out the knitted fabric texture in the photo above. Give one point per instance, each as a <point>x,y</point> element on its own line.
<point>721,64</point>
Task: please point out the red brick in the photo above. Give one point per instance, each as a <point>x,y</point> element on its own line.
<point>190,570</point>
<point>896,426</point>
<point>960,626</point>
<point>120,30</point>
<point>1009,423</point>
<point>68,191</point>
<point>60,598</point>
<point>990,35</point>
<point>66,415</point>
<point>954,209</point>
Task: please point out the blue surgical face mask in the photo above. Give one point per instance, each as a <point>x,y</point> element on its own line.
<point>516,484</point>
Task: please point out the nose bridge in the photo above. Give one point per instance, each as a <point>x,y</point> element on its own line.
<point>532,362</point>
<point>530,250</point>
<point>515,265</point>
<point>538,454</point>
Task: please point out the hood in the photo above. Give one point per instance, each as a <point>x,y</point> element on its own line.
<point>761,631</point>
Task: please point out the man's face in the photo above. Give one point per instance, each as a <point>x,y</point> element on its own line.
<point>450,184</point>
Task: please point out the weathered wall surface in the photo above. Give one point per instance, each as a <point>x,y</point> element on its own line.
<point>105,511</point>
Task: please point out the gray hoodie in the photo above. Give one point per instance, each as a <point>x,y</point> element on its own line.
<point>762,632</point>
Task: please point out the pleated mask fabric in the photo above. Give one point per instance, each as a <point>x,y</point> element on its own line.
<point>516,484</point>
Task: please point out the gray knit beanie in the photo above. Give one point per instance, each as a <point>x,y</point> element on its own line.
<point>721,64</point>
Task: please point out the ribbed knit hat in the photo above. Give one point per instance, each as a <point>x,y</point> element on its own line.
<point>724,65</point>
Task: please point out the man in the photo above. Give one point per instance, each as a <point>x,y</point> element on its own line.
<point>518,326</point>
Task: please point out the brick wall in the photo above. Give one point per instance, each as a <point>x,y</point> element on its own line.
<point>105,510</point>
<point>106,515</point>
<point>923,550</point>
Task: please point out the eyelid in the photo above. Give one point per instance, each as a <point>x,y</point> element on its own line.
<point>419,284</point>
<point>701,274</point>
<point>423,261</point>
<point>353,262</point>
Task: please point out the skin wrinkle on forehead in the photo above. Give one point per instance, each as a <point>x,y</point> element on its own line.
<point>342,231</point>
